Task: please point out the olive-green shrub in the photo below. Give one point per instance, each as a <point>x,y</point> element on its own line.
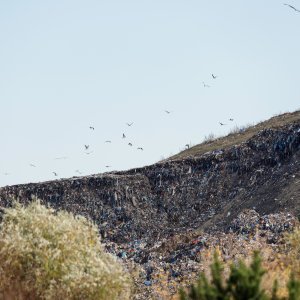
<point>243,283</point>
<point>55,255</point>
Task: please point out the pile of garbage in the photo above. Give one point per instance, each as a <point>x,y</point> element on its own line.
<point>169,197</point>
<point>164,217</point>
<point>249,221</point>
<point>176,261</point>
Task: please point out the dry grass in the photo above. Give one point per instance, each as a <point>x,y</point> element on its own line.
<point>54,255</point>
<point>293,240</point>
<point>238,136</point>
<point>278,262</point>
<point>209,138</point>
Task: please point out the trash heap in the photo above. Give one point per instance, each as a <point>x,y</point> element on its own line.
<point>153,216</point>
<point>176,261</point>
<point>166,198</point>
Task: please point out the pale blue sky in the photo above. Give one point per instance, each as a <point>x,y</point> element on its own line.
<point>67,65</point>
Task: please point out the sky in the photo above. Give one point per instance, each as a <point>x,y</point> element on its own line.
<point>67,65</point>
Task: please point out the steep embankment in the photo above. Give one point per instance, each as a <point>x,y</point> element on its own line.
<point>196,189</point>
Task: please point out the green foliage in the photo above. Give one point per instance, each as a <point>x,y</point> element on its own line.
<point>294,288</point>
<point>243,283</point>
<point>205,290</point>
<point>275,291</point>
<point>46,255</point>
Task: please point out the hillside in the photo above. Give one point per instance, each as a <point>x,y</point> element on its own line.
<point>153,215</point>
<point>239,136</point>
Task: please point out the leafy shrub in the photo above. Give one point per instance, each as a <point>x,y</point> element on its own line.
<point>294,288</point>
<point>243,283</point>
<point>46,255</point>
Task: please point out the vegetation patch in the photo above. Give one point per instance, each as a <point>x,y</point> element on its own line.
<point>243,282</point>
<point>46,254</point>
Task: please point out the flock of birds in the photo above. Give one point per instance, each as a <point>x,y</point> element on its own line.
<point>88,151</point>
<point>187,146</point>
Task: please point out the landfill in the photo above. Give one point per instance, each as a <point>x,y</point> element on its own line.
<point>159,219</point>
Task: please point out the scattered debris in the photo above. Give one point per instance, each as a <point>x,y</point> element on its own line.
<point>164,217</point>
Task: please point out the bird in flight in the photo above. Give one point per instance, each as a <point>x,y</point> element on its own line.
<point>167,111</point>
<point>32,165</point>
<point>130,144</point>
<point>55,174</point>
<point>124,136</point>
<point>107,166</point>
<point>86,147</point>
<point>205,85</point>
<point>107,141</point>
<point>92,128</point>
<point>77,171</point>
<point>231,119</point>
<point>294,8</point>
<point>62,157</point>
<point>222,123</point>
<point>214,76</point>
<point>129,124</point>
<point>140,148</point>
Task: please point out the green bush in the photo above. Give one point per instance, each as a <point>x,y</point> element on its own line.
<point>294,288</point>
<point>243,283</point>
<point>54,255</point>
